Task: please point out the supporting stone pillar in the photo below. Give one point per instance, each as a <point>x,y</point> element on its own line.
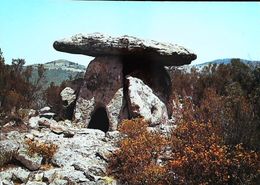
<point>102,87</point>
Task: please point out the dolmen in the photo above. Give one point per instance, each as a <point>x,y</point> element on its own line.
<point>126,79</point>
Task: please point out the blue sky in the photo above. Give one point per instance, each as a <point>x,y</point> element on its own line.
<point>216,30</point>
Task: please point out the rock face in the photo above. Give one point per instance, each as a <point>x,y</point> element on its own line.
<point>107,95</point>
<point>143,102</point>
<point>126,46</point>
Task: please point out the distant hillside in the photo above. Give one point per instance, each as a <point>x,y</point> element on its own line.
<point>58,71</point>
<point>228,60</point>
<point>188,68</point>
<point>65,65</point>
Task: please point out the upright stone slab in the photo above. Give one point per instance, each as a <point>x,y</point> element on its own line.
<point>143,102</point>
<point>155,76</point>
<point>102,88</point>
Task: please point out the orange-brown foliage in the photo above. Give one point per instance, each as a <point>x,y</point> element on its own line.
<point>199,157</point>
<point>194,154</point>
<point>137,160</point>
<point>47,150</point>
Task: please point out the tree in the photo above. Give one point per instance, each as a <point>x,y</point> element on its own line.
<point>2,76</point>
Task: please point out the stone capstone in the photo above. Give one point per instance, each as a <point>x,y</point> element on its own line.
<point>98,44</point>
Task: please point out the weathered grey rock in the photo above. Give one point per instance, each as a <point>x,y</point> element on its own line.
<point>154,76</point>
<point>144,103</point>
<point>8,150</point>
<point>68,95</point>
<point>6,182</point>
<point>34,122</point>
<point>98,44</point>
<point>15,136</point>
<point>31,112</point>
<point>6,175</point>
<point>45,113</point>
<point>81,159</point>
<point>35,183</point>
<point>14,174</point>
<point>65,173</point>
<point>84,152</point>
<point>58,128</point>
<point>36,133</point>
<point>83,111</point>
<point>73,150</point>
<point>20,174</point>
<point>59,182</point>
<point>37,121</point>
<point>38,176</point>
<point>30,162</point>
<point>44,110</point>
<point>107,181</point>
<point>113,136</point>
<point>65,127</point>
<point>102,88</point>
<point>114,108</point>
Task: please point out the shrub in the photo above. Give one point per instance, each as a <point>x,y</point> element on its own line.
<point>53,99</point>
<point>47,150</point>
<point>137,160</point>
<point>198,156</point>
<point>15,89</point>
<point>194,154</point>
<point>225,94</point>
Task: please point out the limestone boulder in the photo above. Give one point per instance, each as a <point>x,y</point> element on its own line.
<point>98,44</point>
<point>30,162</point>
<point>15,174</point>
<point>143,102</point>
<point>68,96</point>
<point>8,150</point>
<point>44,110</point>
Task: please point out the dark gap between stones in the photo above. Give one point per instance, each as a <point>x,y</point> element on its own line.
<point>99,120</point>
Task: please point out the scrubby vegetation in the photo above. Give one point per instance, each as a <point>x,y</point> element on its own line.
<point>194,153</point>
<point>216,113</point>
<point>216,140</point>
<point>46,150</point>
<point>227,95</point>
<point>19,92</point>
<point>136,161</point>
<point>16,91</point>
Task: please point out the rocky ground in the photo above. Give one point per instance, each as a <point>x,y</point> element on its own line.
<point>80,158</point>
